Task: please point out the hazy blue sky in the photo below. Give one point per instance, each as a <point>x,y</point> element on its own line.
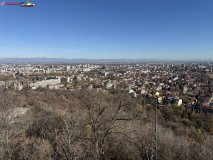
<point>144,29</point>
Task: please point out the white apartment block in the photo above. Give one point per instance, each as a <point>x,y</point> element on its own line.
<point>44,83</point>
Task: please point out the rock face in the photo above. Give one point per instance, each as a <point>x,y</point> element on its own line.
<point>17,112</point>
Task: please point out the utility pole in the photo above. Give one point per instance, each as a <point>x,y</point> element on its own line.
<point>154,133</point>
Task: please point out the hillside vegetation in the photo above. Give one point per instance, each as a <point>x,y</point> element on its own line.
<point>87,124</point>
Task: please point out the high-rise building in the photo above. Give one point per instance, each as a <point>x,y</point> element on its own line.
<point>184,89</point>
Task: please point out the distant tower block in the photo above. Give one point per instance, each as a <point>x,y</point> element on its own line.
<point>67,79</point>
<point>184,89</point>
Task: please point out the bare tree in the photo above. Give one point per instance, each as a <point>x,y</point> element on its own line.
<point>68,147</point>
<point>103,116</point>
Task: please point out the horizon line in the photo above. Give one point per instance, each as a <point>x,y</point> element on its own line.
<point>209,59</point>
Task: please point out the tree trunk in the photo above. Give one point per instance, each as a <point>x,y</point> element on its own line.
<point>97,150</point>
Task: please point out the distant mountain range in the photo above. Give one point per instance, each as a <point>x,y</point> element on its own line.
<point>82,60</point>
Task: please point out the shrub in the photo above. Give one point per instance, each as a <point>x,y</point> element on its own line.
<point>185,121</point>
<point>199,123</point>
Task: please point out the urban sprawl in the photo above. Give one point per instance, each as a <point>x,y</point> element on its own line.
<point>184,84</point>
